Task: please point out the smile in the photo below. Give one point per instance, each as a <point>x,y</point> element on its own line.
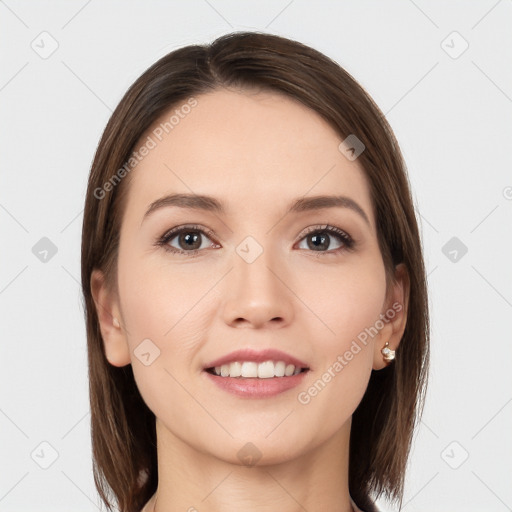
<point>249,385</point>
<point>251,369</point>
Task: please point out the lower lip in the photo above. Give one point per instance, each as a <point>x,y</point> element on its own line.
<point>255,387</point>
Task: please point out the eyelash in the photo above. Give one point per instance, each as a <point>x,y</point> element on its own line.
<point>348,242</point>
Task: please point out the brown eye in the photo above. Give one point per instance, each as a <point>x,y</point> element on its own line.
<point>189,240</point>
<point>186,240</point>
<point>321,239</point>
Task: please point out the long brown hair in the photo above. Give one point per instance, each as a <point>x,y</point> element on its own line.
<point>122,426</point>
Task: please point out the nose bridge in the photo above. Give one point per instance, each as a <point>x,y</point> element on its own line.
<point>253,264</point>
<point>256,292</point>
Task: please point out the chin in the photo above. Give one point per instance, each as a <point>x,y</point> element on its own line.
<point>253,449</point>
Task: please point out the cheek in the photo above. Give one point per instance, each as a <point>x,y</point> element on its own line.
<point>349,305</point>
<point>172,307</point>
<point>346,299</point>
<point>162,302</point>
<point>168,307</point>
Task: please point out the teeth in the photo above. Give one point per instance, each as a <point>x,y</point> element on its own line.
<point>235,369</point>
<point>248,369</point>
<point>266,370</point>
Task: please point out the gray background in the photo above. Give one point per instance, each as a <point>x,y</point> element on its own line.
<point>450,108</point>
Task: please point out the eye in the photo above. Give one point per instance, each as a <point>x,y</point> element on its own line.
<point>188,238</point>
<point>319,238</point>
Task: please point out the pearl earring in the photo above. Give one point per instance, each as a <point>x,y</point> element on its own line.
<point>387,353</point>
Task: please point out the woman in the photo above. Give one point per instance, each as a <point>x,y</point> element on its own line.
<point>254,287</point>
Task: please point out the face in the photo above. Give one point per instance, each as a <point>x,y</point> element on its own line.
<point>256,274</point>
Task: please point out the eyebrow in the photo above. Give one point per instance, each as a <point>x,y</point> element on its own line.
<point>211,204</point>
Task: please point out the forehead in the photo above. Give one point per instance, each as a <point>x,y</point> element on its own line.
<point>249,148</point>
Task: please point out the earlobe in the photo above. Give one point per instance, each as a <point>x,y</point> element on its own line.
<point>108,313</point>
<point>394,317</point>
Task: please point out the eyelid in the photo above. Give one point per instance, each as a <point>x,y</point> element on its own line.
<point>322,227</point>
<point>192,227</point>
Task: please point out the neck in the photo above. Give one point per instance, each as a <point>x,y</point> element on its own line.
<point>192,480</point>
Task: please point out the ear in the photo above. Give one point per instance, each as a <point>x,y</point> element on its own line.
<point>112,328</point>
<point>394,316</point>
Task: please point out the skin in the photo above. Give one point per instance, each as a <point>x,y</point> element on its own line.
<point>241,147</point>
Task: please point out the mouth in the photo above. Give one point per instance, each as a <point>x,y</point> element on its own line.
<point>249,380</point>
<point>250,373</point>
<point>252,370</point>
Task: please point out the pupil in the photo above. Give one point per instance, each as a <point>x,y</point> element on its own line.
<point>319,241</point>
<point>187,238</point>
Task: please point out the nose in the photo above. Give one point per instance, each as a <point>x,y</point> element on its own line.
<point>258,293</point>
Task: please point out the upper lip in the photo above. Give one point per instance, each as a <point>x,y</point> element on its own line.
<point>257,356</point>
